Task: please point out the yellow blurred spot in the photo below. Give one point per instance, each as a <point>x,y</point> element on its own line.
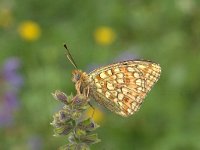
<point>104,35</point>
<point>29,30</point>
<point>6,18</point>
<point>98,115</point>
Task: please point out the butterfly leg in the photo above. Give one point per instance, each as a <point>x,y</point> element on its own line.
<point>78,86</point>
<point>88,91</point>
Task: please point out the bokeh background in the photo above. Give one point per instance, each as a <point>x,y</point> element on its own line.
<point>33,65</point>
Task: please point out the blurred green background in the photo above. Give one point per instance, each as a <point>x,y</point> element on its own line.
<point>33,65</point>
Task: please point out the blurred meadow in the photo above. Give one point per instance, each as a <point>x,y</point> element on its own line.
<point>98,33</point>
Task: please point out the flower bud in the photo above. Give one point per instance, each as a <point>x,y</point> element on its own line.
<point>90,139</point>
<point>64,129</point>
<point>60,96</point>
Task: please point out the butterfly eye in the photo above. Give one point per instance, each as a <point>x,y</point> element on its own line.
<point>77,77</point>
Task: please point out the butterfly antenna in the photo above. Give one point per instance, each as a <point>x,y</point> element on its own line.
<point>69,57</point>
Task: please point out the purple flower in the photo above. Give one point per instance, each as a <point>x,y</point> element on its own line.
<point>11,101</point>
<point>6,118</point>
<point>8,105</point>
<point>11,82</point>
<point>10,73</point>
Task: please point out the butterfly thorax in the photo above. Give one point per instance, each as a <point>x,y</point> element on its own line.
<point>81,80</point>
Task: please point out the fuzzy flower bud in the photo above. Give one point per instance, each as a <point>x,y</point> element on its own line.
<point>60,96</point>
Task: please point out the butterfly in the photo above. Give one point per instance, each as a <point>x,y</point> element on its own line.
<point>120,87</point>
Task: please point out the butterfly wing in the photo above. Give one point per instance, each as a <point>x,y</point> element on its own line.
<point>121,87</point>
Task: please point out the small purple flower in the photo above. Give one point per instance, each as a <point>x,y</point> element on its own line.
<point>11,101</point>
<point>5,116</point>
<point>11,82</point>
<point>10,73</point>
<point>8,106</point>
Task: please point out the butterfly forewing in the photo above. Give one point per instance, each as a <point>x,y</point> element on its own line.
<point>121,87</point>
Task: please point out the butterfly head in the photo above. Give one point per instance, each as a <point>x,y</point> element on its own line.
<point>76,76</point>
<point>80,79</point>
